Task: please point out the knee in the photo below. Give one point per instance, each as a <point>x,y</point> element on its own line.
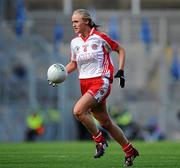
<point>78,113</point>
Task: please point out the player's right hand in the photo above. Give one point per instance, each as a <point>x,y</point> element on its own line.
<point>51,83</point>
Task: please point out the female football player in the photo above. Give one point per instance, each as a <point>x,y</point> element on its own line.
<point>90,54</point>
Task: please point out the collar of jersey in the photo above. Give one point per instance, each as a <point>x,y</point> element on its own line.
<point>90,33</point>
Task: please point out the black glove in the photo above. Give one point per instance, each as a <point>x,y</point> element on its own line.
<point>120,75</point>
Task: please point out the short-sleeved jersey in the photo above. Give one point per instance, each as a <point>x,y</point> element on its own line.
<point>92,55</point>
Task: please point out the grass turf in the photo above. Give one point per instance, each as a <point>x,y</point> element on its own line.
<point>79,155</point>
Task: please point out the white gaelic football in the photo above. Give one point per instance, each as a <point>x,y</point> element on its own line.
<point>56,73</point>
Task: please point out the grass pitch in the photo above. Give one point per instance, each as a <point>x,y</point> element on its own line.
<point>80,155</point>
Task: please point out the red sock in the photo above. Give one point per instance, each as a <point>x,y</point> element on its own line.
<point>98,138</point>
<point>128,149</point>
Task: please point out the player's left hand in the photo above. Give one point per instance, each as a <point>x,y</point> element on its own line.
<point>51,83</point>
<point>120,75</point>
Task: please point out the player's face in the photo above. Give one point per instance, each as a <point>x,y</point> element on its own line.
<point>79,25</point>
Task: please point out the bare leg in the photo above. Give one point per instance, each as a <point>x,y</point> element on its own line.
<point>100,113</point>
<point>81,111</point>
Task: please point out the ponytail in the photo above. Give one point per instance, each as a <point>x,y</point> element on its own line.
<point>92,24</point>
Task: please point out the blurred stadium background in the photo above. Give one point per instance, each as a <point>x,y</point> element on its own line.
<point>34,34</point>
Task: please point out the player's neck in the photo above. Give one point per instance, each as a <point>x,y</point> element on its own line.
<point>86,33</point>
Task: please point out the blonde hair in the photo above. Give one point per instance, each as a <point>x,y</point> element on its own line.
<point>86,16</point>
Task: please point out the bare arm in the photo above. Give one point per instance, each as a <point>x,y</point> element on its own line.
<point>121,57</point>
<point>71,66</point>
<point>120,72</point>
